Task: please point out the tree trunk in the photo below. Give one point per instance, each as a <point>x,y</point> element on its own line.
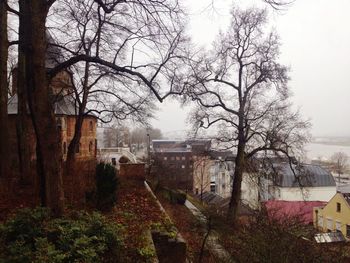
<point>4,145</point>
<point>209,229</point>
<point>22,121</point>
<point>238,175</point>
<point>49,154</point>
<point>78,123</point>
<point>74,143</point>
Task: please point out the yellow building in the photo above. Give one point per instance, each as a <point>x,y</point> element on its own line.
<point>335,216</point>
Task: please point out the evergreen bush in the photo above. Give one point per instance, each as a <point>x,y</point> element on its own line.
<point>33,236</point>
<point>175,197</point>
<point>106,186</point>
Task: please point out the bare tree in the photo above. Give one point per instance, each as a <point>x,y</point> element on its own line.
<point>32,42</point>
<point>201,174</point>
<point>209,230</point>
<point>136,41</point>
<point>3,89</point>
<point>278,5</point>
<point>340,163</point>
<point>96,89</point>
<point>145,28</point>
<point>23,122</point>
<point>139,135</point>
<point>116,136</point>
<point>241,91</point>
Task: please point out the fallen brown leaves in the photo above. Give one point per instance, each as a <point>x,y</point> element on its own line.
<point>136,211</point>
<point>189,227</point>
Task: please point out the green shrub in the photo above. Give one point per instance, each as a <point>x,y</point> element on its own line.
<point>80,238</point>
<point>106,186</point>
<point>174,197</point>
<point>179,198</point>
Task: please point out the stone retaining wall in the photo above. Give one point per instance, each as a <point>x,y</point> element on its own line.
<point>169,250</point>
<point>134,171</point>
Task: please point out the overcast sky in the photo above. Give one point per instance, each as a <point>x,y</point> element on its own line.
<point>315,36</point>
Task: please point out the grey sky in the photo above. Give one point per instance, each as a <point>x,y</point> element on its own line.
<point>315,36</point>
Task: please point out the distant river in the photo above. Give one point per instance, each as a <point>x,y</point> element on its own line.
<point>324,151</point>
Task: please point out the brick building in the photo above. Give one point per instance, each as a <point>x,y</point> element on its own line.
<point>65,110</point>
<point>173,161</point>
<point>26,188</point>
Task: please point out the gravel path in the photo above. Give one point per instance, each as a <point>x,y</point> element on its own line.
<point>212,242</point>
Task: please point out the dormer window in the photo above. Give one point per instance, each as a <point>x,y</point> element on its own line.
<point>338,207</point>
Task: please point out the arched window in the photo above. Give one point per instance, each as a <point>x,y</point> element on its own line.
<point>91,125</point>
<point>77,148</point>
<point>63,123</point>
<point>59,123</point>
<point>91,145</point>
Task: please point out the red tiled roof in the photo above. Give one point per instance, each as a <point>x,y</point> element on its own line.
<point>289,209</point>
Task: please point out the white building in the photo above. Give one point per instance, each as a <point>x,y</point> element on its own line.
<point>221,172</point>
<point>305,182</point>
<point>113,155</point>
<point>250,190</point>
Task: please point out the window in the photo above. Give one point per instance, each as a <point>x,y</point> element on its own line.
<point>348,230</point>
<point>59,123</point>
<point>338,226</point>
<point>91,145</point>
<point>177,158</point>
<point>329,224</point>
<point>338,207</point>
<point>212,188</point>
<point>165,158</point>
<point>183,166</point>
<point>320,221</point>
<point>64,147</point>
<point>77,148</point>
<point>183,158</point>
<point>114,161</point>
<point>172,158</point>
<point>91,126</point>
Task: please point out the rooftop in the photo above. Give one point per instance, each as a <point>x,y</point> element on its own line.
<point>63,106</point>
<point>344,189</point>
<point>305,175</point>
<point>329,237</point>
<point>302,210</point>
